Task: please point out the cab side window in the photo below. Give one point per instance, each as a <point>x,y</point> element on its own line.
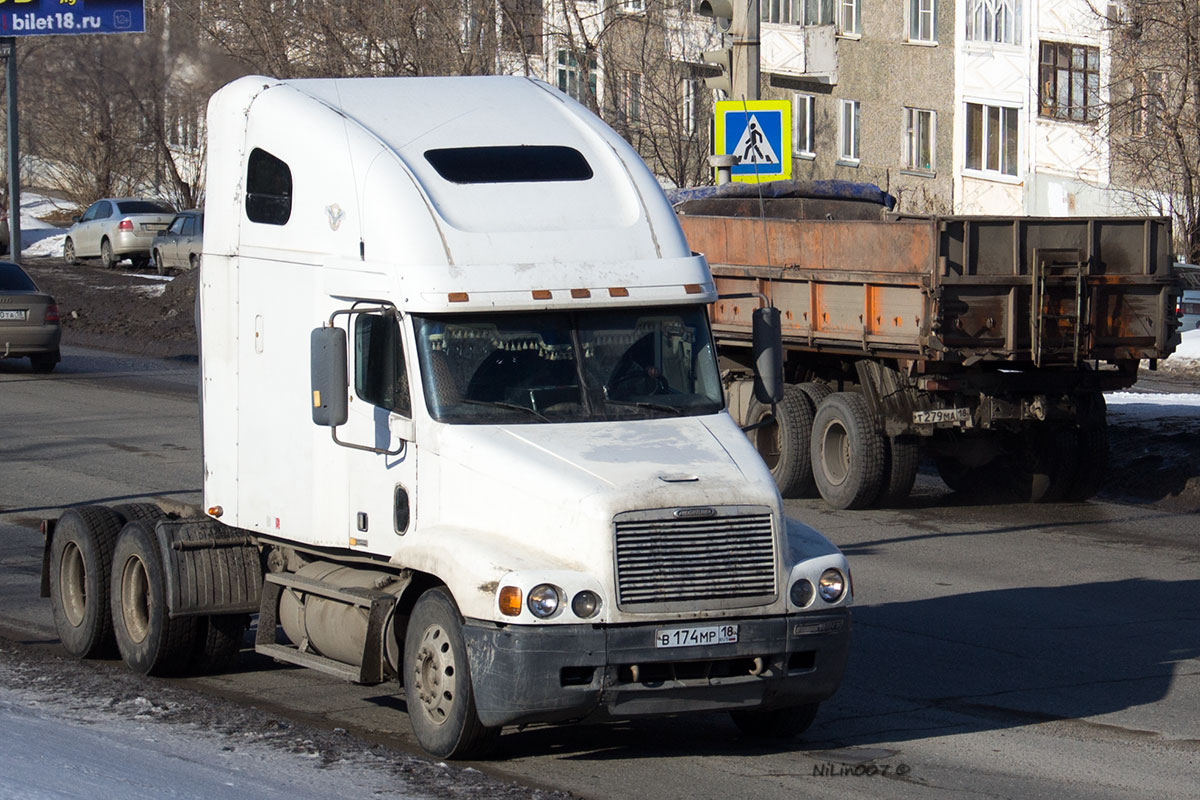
<point>380,374</point>
<point>268,189</point>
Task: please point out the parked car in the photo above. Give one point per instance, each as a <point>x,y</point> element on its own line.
<point>1189,303</point>
<point>29,321</point>
<point>178,247</point>
<point>115,228</point>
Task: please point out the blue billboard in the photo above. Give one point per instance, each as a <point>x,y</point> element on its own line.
<point>44,17</point>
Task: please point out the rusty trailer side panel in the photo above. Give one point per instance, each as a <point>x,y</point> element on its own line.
<point>1040,291</point>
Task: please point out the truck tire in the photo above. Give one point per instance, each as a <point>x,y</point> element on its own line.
<point>902,456</point>
<point>776,723</point>
<point>1043,464</point>
<point>816,391</point>
<point>217,642</point>
<point>784,446</point>
<point>959,477</point>
<point>138,512</point>
<point>1092,442</point>
<point>150,641</point>
<point>81,553</point>
<point>437,681</point>
<point>847,452</point>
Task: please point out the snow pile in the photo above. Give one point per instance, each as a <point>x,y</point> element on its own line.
<point>40,238</point>
<point>1186,358</point>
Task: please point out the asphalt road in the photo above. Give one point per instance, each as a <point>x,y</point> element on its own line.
<point>998,650</point>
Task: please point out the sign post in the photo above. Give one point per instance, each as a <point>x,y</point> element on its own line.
<point>758,133</point>
<point>41,18</point>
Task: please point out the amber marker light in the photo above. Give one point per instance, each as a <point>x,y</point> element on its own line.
<point>581,293</point>
<point>215,511</point>
<point>618,291</point>
<point>458,297</point>
<point>693,288</point>
<point>542,294</point>
<point>510,601</point>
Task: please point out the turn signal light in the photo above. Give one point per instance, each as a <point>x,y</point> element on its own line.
<point>510,601</point>
<point>458,297</point>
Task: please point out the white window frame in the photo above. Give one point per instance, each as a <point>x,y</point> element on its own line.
<point>994,21</point>
<point>633,6</point>
<point>987,134</point>
<point>919,124</point>
<point>849,17</point>
<point>849,125</point>
<point>803,114</point>
<point>569,73</point>
<point>819,12</point>
<point>782,12</point>
<point>631,96</point>
<point>691,105</point>
<point>919,16</point>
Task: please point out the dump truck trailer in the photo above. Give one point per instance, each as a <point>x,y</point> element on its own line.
<point>985,340</point>
<point>463,428</point>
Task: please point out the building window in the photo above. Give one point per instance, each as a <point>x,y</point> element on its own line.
<point>1149,104</point>
<point>848,16</point>
<point>922,21</point>
<point>848,131</point>
<point>1070,76</point>
<point>920,132</point>
<point>629,97</point>
<point>802,124</point>
<point>992,138</point>
<point>782,12</point>
<point>633,6</point>
<point>571,77</point>
<point>997,21</point>
<point>818,12</point>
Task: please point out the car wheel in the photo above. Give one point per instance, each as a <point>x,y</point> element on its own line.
<point>45,362</point>
<point>159,266</point>
<point>193,261</point>
<point>81,552</point>
<point>69,253</point>
<point>437,682</point>
<point>107,257</point>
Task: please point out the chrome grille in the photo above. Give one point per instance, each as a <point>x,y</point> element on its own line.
<point>720,561</point>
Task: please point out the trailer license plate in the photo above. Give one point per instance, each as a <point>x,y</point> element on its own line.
<point>691,637</point>
<point>11,314</point>
<point>942,415</point>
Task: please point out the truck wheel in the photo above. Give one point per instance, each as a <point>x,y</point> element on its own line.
<point>1092,442</point>
<point>138,512</point>
<point>847,452</point>
<point>776,723</point>
<point>149,640</point>
<point>81,555</point>
<point>902,455</point>
<point>784,446</point>
<point>218,639</point>
<point>1043,464</point>
<point>959,477</point>
<point>437,681</point>
<point>816,391</point>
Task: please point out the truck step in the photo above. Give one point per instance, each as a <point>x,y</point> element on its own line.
<point>292,655</point>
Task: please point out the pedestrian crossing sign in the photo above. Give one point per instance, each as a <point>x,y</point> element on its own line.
<point>759,134</point>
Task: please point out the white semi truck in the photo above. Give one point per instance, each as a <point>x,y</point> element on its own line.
<point>463,425</point>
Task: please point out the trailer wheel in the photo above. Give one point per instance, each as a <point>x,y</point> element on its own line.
<point>1043,464</point>
<point>847,451</point>
<point>784,446</point>
<point>776,723</point>
<point>80,560</point>
<point>902,456</point>
<point>437,681</point>
<point>1092,441</point>
<point>959,477</point>
<point>149,640</point>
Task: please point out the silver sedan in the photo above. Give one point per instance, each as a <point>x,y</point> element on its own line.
<point>115,228</point>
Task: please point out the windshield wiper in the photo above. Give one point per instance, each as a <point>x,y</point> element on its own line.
<point>676,410</point>
<point>502,404</point>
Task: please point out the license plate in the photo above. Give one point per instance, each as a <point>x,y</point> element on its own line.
<point>693,637</point>
<point>942,415</point>
<point>11,314</point>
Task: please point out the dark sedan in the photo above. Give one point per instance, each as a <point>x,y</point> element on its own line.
<point>29,323</point>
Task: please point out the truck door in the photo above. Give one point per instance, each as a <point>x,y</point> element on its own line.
<point>381,468</point>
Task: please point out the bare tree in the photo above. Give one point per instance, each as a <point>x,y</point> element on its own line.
<point>1152,119</point>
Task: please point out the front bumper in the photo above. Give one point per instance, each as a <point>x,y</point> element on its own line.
<point>555,673</point>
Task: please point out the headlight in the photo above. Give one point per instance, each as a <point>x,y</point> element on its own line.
<point>543,600</point>
<point>586,604</point>
<point>832,586</point>
<point>802,593</point>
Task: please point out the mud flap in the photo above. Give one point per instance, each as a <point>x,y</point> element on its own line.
<point>210,568</point>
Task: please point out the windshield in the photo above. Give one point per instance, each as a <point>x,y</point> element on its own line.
<point>568,367</point>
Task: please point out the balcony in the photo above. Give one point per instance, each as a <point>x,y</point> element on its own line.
<point>808,52</point>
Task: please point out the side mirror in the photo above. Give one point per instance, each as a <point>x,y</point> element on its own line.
<point>330,386</point>
<point>767,328</point>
